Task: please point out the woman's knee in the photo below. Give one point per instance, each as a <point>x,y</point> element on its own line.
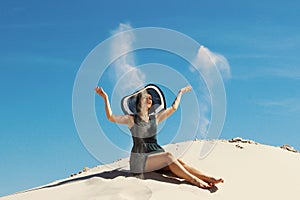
<point>181,162</point>
<point>169,157</point>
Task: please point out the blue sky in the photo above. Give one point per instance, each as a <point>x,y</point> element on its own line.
<point>43,44</point>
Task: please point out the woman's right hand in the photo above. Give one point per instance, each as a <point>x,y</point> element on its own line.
<point>101,92</point>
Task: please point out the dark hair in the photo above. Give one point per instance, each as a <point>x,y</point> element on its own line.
<point>138,102</point>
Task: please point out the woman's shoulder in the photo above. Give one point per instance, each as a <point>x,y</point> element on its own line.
<point>130,120</point>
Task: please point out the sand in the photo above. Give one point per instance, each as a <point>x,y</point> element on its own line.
<point>250,170</point>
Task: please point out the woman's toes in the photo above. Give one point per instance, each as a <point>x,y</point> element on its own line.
<point>220,181</point>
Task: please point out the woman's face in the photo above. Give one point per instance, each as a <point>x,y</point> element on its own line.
<point>146,100</point>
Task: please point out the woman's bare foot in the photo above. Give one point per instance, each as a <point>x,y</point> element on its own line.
<point>212,181</point>
<point>201,184</point>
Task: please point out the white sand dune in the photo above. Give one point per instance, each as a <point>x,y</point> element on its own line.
<point>251,171</point>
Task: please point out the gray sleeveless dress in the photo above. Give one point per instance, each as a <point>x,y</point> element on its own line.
<point>144,143</point>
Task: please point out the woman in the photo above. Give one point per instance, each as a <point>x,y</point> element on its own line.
<point>147,155</point>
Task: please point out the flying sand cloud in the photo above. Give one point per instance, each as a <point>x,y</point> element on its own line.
<point>207,62</point>
<point>126,63</point>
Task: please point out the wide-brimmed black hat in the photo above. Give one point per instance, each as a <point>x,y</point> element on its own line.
<point>128,103</point>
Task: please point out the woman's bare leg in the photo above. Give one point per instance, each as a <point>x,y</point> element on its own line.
<point>197,173</point>
<point>161,160</point>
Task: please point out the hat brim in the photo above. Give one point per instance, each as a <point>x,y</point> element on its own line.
<point>128,103</point>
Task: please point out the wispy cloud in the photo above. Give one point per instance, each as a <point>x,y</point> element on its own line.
<point>126,63</point>
<point>284,72</point>
<point>281,107</point>
<point>33,59</point>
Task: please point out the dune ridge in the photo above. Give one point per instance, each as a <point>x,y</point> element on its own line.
<point>250,170</point>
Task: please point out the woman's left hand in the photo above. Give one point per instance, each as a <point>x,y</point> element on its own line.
<point>186,89</point>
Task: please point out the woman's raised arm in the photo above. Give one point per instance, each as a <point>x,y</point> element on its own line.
<point>121,119</point>
<point>166,113</point>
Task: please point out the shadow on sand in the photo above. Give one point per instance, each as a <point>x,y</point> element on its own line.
<point>162,176</point>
